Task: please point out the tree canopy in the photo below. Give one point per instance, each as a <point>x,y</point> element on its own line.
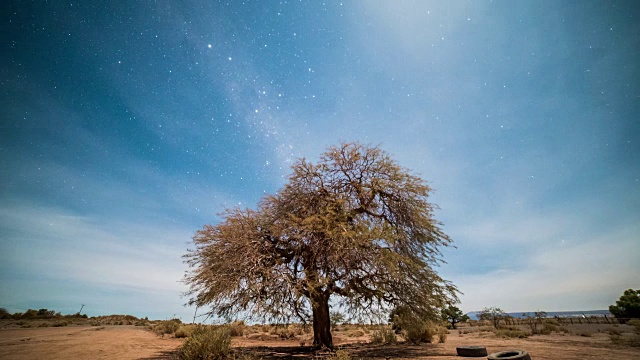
<point>355,226</point>
<point>628,306</point>
<point>453,315</point>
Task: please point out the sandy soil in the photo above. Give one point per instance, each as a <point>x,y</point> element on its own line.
<point>85,342</point>
<point>130,342</point>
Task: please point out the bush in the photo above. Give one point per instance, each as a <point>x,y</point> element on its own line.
<point>4,314</point>
<point>442,335</point>
<point>167,327</point>
<point>512,333</point>
<point>632,340</point>
<point>60,323</point>
<point>340,355</point>
<point>383,335</point>
<point>420,332</point>
<point>237,328</point>
<point>635,323</point>
<point>184,331</point>
<point>206,343</point>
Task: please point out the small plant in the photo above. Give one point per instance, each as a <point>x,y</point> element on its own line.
<point>60,323</point>
<point>340,355</point>
<point>206,343</point>
<point>442,338</point>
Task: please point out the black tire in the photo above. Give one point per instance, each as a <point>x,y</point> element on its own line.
<point>510,355</point>
<point>471,351</point>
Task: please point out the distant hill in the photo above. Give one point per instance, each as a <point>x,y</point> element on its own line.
<point>474,314</point>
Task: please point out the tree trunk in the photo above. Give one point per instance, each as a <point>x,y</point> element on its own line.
<point>321,322</point>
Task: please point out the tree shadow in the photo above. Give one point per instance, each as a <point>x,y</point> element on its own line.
<point>398,351</point>
<point>162,355</point>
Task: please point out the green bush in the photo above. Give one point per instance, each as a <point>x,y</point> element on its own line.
<point>206,343</point>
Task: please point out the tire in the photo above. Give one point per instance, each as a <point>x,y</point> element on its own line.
<point>471,351</point>
<point>510,355</point>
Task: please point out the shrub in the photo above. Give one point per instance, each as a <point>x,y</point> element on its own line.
<point>420,332</point>
<point>206,343</point>
<point>614,331</point>
<point>60,323</point>
<point>442,335</point>
<point>512,333</point>
<point>4,314</point>
<point>632,340</point>
<point>635,323</point>
<point>184,331</point>
<point>237,328</point>
<point>552,322</point>
<point>284,332</point>
<point>383,335</point>
<point>340,355</point>
<point>167,327</point>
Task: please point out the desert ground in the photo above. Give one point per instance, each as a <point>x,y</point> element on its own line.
<point>85,341</point>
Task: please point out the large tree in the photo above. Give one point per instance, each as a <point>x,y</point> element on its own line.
<point>453,315</point>
<point>356,227</point>
<point>627,307</point>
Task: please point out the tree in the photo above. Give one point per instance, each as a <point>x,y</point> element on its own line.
<point>535,321</point>
<point>453,315</point>
<point>628,306</point>
<point>492,314</point>
<point>355,227</point>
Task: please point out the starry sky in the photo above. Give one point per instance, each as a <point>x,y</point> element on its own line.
<point>126,126</point>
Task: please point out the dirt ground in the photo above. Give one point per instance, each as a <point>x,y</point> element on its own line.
<point>131,342</point>
<point>85,342</point>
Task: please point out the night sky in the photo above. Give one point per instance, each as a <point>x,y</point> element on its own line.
<point>126,126</point>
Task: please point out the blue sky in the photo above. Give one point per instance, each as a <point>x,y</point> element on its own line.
<point>126,128</point>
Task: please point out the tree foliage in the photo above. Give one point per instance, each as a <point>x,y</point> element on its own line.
<point>493,314</point>
<point>453,315</point>
<point>628,306</point>
<point>355,226</point>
